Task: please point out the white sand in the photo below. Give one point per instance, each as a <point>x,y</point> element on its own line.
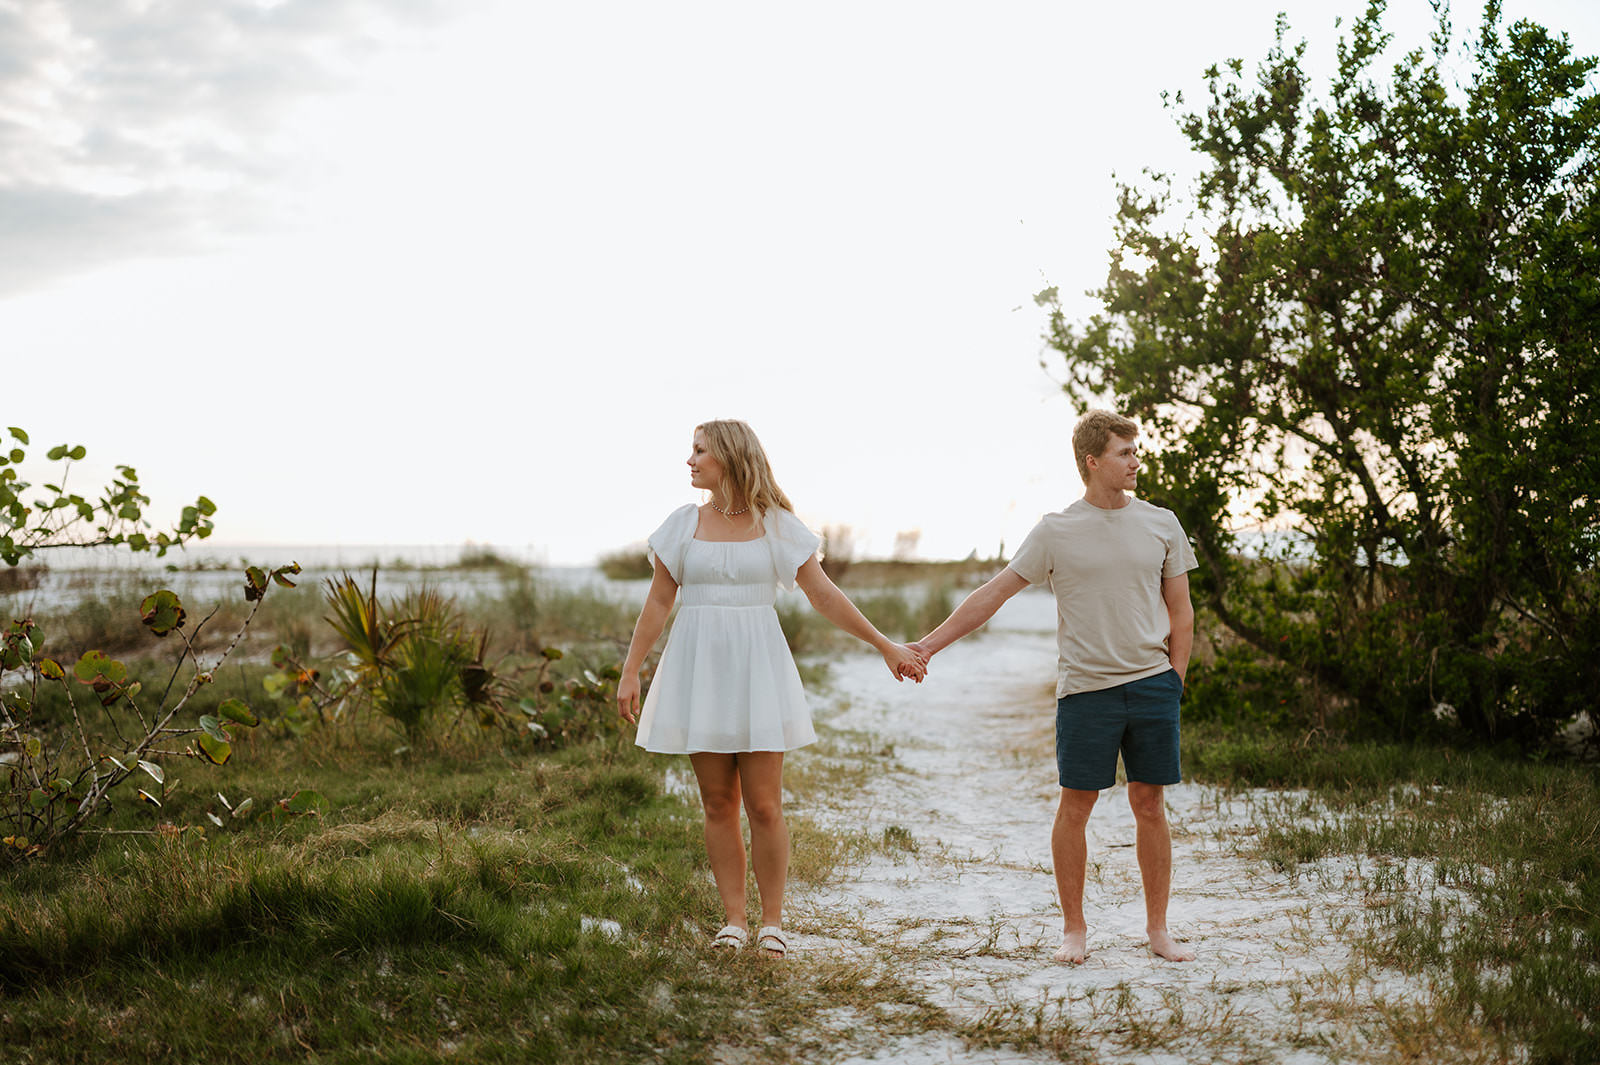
<point>968,912</point>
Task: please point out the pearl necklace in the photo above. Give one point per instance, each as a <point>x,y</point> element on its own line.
<point>729,513</point>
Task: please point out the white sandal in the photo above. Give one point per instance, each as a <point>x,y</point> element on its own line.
<point>732,937</point>
<point>770,939</point>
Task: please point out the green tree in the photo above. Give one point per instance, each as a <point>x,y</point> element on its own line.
<point>1374,323</point>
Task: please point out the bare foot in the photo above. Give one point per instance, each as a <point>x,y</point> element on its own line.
<point>1164,946</point>
<point>1073,949</point>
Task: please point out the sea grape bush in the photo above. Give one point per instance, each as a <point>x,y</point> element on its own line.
<point>60,518</point>
<point>60,775</point>
<point>57,776</point>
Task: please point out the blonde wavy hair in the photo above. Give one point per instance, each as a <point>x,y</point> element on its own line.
<point>746,474</point>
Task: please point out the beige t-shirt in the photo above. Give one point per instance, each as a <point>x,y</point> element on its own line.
<point>1105,568</point>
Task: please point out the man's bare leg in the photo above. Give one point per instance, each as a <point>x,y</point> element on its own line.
<point>1149,805</point>
<point>1069,853</point>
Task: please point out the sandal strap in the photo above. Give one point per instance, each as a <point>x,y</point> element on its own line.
<point>771,938</point>
<point>730,936</point>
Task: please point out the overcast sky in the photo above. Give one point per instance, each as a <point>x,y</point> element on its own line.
<point>425,271</point>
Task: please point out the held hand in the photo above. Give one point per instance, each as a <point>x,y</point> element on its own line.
<point>628,698</point>
<point>904,662</point>
<point>920,669</point>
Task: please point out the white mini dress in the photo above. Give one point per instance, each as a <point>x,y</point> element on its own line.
<point>726,681</point>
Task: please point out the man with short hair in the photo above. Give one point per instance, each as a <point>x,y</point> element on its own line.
<point>1119,569</point>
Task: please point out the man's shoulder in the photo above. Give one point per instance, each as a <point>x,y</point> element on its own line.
<point>1082,513</point>
<point>1057,521</point>
<point>1078,508</point>
<point>1155,513</point>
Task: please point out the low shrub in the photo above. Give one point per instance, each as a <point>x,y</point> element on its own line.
<point>627,564</point>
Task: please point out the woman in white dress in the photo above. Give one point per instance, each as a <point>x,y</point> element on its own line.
<point>726,691</point>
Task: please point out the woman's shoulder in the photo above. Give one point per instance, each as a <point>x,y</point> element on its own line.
<point>791,542</point>
<point>785,523</point>
<point>680,522</point>
<point>671,539</point>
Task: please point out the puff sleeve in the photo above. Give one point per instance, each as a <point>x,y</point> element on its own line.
<point>670,541</point>
<point>791,542</point>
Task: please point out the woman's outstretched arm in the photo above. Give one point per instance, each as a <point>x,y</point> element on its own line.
<point>827,600</point>
<point>652,619</point>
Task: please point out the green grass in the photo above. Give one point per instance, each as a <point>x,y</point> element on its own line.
<point>1482,871</point>
<point>445,908</point>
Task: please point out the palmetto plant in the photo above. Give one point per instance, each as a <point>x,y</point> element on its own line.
<point>426,676</point>
<point>482,685</point>
<point>414,660</point>
<point>427,669</point>
<point>410,658</point>
<point>358,619</point>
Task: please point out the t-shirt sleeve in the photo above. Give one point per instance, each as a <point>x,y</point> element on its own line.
<point>1032,560</point>
<point>1180,554</point>
<point>671,540</point>
<point>792,544</point>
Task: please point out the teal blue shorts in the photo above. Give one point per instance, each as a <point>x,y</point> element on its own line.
<point>1138,719</point>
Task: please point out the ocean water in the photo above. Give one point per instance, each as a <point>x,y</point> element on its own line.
<point>205,554</point>
<point>211,573</point>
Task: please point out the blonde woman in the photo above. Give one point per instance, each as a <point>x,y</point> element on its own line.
<point>726,691</point>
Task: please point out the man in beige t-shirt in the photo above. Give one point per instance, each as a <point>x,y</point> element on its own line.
<point>1119,569</point>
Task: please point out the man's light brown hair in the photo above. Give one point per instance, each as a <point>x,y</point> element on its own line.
<point>1093,433</point>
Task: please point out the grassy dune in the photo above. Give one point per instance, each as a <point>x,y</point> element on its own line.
<point>482,899</point>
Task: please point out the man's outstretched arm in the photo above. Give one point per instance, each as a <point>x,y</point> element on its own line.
<point>974,610</point>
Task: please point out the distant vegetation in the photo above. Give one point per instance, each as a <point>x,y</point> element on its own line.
<point>631,563</point>
<point>482,556</point>
<point>628,564</point>
<point>880,572</point>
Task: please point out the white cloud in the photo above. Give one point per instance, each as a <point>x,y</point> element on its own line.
<point>135,129</point>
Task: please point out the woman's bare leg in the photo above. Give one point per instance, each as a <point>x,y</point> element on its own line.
<point>718,777</point>
<point>761,776</point>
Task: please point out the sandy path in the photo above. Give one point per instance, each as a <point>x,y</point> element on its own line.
<point>965,909</point>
